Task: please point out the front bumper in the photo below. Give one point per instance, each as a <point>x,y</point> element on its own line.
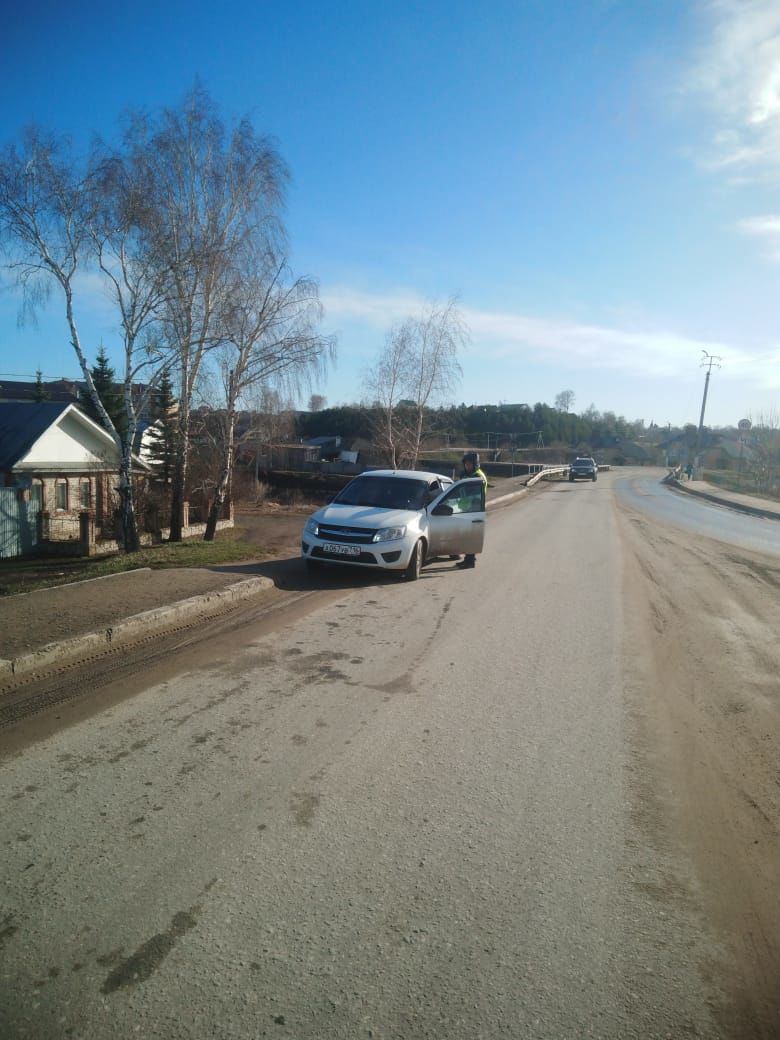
<point>394,557</point>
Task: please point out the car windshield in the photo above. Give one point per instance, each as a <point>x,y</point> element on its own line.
<point>384,492</point>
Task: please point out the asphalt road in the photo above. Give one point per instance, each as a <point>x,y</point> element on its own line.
<point>413,810</point>
<point>643,490</point>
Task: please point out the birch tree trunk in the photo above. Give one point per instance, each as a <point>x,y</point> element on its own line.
<point>223,484</point>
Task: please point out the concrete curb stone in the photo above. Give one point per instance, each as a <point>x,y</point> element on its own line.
<point>729,503</point>
<point>123,632</point>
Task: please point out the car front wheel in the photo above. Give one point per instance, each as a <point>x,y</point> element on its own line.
<point>412,572</point>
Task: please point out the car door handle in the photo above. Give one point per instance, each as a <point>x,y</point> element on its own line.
<point>477,521</point>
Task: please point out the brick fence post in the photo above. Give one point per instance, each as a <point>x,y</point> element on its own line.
<point>86,533</point>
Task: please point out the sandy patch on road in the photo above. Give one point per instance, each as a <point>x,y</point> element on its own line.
<point>703,662</point>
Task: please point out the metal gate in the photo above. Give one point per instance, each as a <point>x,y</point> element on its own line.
<point>18,523</point>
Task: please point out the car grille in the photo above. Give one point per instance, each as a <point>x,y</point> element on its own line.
<point>350,535</point>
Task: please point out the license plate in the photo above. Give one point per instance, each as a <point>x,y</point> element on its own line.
<point>341,550</point>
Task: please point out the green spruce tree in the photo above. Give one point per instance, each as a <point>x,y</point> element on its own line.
<point>163,436</point>
<point>40,393</point>
<point>108,392</point>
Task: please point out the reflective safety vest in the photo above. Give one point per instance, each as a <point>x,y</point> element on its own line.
<point>466,501</point>
<point>477,473</point>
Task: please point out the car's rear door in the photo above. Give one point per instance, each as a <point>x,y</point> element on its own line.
<point>456,522</point>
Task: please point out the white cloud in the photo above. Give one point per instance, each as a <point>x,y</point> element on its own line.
<point>379,311</point>
<point>737,70</point>
<point>509,337</point>
<point>761,226</point>
<point>766,228</point>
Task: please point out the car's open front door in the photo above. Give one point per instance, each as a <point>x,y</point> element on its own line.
<point>457,519</point>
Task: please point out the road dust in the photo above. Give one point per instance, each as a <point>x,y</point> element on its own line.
<point>702,621</point>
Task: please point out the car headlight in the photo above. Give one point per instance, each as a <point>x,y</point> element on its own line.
<point>312,527</point>
<point>388,534</point>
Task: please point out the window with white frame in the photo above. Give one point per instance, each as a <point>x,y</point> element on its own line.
<point>61,495</point>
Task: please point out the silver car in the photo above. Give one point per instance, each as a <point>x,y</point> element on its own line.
<point>396,519</point>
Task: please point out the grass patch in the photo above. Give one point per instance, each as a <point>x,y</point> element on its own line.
<point>28,575</point>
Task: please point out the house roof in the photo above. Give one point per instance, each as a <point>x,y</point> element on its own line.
<point>57,390</point>
<point>68,391</point>
<point>24,424</point>
<point>323,441</point>
<point>21,424</point>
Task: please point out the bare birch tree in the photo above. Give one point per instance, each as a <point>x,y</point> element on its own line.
<point>138,288</point>
<point>564,401</point>
<point>386,385</point>
<point>212,191</point>
<point>49,215</point>
<point>166,221</point>
<point>417,367</point>
<point>271,340</point>
<point>437,338</point>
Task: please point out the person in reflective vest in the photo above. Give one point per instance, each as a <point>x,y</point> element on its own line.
<point>470,469</point>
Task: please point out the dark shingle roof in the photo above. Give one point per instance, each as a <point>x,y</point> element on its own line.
<point>21,424</point>
<point>56,390</point>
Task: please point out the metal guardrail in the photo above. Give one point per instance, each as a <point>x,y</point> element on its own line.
<point>548,471</point>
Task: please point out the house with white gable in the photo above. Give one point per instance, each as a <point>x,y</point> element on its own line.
<point>54,460</point>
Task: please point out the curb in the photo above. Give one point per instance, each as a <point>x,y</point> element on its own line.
<point>741,507</point>
<point>128,630</point>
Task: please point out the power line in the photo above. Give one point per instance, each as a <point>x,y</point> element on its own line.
<point>33,375</point>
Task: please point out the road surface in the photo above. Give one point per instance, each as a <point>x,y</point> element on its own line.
<point>536,799</point>
<point>700,518</point>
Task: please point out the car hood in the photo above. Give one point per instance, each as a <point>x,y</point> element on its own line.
<point>365,516</point>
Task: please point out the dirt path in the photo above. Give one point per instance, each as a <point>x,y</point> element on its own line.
<point>703,620</point>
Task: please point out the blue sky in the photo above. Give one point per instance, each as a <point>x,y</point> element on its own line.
<point>597,181</point>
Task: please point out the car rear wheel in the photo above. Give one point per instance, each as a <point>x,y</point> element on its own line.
<point>412,572</point>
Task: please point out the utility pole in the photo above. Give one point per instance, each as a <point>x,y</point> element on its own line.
<point>708,361</point>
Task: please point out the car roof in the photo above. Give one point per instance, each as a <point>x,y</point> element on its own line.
<point>413,474</point>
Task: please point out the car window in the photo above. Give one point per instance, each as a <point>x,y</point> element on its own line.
<point>466,497</point>
<point>384,493</point>
<point>434,489</point>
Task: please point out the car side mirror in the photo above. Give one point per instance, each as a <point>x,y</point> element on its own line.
<point>442,510</point>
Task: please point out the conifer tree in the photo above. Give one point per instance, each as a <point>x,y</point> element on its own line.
<point>163,436</point>
<point>40,393</point>
<point>104,379</point>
